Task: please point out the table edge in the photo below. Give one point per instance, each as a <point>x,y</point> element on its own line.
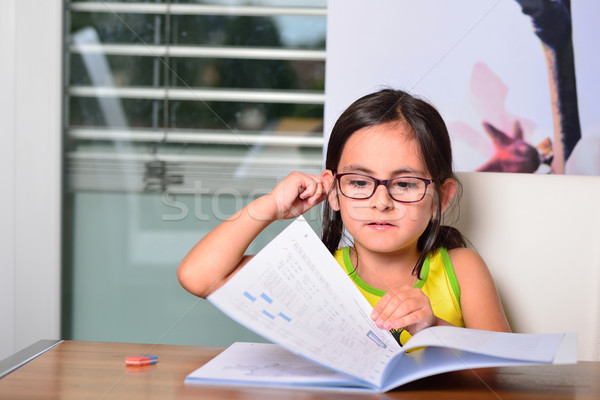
<point>20,358</point>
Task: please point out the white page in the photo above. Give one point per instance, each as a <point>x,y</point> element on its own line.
<point>435,360</point>
<point>517,346</point>
<point>266,364</point>
<point>293,292</point>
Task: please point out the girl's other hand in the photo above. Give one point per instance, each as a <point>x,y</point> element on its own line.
<point>407,307</point>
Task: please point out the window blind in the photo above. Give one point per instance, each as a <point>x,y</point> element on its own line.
<point>187,97</point>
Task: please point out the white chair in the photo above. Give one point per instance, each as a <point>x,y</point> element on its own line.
<point>540,237</point>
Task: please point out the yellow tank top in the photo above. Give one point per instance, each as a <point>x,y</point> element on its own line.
<point>438,282</point>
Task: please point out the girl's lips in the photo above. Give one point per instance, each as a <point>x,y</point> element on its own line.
<point>378,224</point>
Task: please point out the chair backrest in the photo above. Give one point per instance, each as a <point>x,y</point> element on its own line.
<point>540,237</point>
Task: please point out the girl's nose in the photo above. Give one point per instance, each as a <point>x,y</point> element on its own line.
<point>381,199</point>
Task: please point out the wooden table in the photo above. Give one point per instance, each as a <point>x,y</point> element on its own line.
<point>94,370</point>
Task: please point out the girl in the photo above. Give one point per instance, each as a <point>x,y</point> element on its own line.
<point>387,182</point>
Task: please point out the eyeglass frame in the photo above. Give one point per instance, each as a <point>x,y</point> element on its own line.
<point>384,182</point>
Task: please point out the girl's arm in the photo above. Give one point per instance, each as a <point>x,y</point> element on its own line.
<point>218,256</point>
<point>481,307</point>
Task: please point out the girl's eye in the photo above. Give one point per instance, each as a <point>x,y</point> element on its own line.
<point>405,185</point>
<point>359,183</point>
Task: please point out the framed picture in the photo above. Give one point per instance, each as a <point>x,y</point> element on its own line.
<point>516,81</point>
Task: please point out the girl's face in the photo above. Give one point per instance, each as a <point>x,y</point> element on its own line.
<point>380,224</point>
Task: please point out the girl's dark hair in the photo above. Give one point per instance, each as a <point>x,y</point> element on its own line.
<point>431,133</point>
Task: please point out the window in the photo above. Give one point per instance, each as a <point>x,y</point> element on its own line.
<point>177,113</point>
<point>163,94</point>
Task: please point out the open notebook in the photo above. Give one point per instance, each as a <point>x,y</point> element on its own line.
<point>295,294</point>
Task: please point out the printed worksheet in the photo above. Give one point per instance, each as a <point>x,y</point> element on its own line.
<point>295,292</point>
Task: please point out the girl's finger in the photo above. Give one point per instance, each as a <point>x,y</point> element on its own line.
<point>313,187</point>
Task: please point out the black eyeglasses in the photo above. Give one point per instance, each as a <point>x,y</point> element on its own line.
<point>405,189</point>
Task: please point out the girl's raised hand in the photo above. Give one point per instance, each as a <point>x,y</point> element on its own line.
<point>407,307</point>
<point>221,252</point>
<point>293,196</point>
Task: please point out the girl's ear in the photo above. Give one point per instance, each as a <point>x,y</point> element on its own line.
<point>328,184</point>
<point>447,191</point>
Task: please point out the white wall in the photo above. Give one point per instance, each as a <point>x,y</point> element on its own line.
<point>540,236</point>
<point>30,171</point>
<point>7,278</point>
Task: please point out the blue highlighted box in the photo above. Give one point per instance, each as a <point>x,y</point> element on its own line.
<point>282,315</point>
<point>371,335</point>
<point>268,314</point>
<point>266,298</point>
<point>248,295</point>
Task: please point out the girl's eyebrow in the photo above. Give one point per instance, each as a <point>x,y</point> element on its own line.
<point>356,168</point>
<point>401,171</point>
